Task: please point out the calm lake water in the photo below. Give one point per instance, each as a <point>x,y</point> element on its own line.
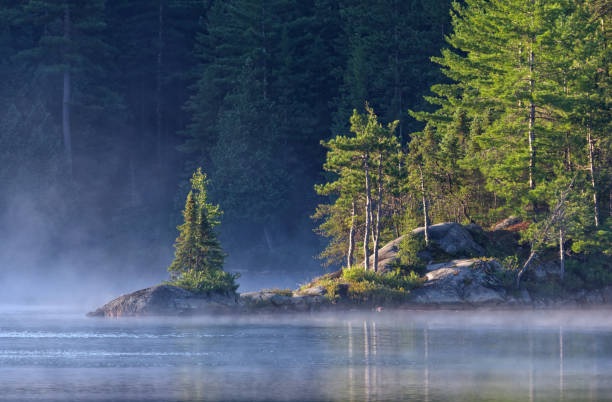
<point>421,356</point>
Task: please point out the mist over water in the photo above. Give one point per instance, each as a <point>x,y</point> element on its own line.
<point>45,260</point>
<point>425,356</point>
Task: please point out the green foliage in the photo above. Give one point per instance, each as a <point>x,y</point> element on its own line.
<point>595,241</point>
<point>348,159</point>
<point>397,280</point>
<point>507,274</point>
<point>369,287</point>
<point>408,254</point>
<point>213,281</point>
<point>199,183</point>
<point>402,36</point>
<point>198,260</point>
<point>375,293</point>
<point>592,271</point>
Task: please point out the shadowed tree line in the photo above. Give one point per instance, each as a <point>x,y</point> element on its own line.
<point>108,106</point>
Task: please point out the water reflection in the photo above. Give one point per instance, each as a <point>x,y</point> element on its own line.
<point>560,363</point>
<point>431,363</point>
<point>405,356</point>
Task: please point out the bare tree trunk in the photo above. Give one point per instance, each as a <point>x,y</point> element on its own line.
<point>66,98</point>
<point>543,235</point>
<point>158,90</point>
<point>351,248</point>
<point>525,266</point>
<point>366,236</point>
<point>562,251</point>
<point>592,172</point>
<point>532,148</point>
<point>379,195</point>
<point>425,208</point>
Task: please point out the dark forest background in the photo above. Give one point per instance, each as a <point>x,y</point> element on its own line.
<point>107,107</point>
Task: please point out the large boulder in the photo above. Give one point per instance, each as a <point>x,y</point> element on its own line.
<point>162,300</point>
<point>452,238</point>
<point>465,281</point>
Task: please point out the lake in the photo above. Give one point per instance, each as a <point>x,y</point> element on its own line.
<point>47,355</point>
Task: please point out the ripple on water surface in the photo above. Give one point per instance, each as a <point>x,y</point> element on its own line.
<point>433,356</point>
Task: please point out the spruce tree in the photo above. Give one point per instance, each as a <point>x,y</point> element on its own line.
<point>197,247</point>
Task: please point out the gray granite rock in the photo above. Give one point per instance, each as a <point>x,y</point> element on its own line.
<point>451,237</point>
<point>313,291</point>
<point>166,300</point>
<point>465,281</point>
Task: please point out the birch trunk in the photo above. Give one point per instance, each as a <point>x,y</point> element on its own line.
<point>562,251</point>
<point>532,148</point>
<point>525,266</point>
<point>425,208</point>
<point>351,247</point>
<point>379,194</point>
<point>66,99</point>
<point>366,236</point>
<point>592,173</point>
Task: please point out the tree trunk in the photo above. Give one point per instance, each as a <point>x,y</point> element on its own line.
<point>379,194</point>
<point>525,266</point>
<point>366,236</point>
<point>425,208</point>
<point>158,89</point>
<point>66,99</point>
<point>562,251</point>
<point>532,148</point>
<point>351,247</point>
<point>592,173</point>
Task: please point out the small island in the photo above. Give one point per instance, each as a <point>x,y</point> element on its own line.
<point>496,202</point>
<point>459,267</point>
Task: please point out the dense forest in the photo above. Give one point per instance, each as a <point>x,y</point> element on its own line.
<point>521,126</point>
<point>427,112</point>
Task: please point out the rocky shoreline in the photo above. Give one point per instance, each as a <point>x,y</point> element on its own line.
<point>464,279</point>
<point>457,284</point>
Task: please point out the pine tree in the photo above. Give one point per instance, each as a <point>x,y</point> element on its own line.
<point>365,156</point>
<point>68,46</point>
<point>406,34</point>
<point>197,247</point>
<point>503,65</point>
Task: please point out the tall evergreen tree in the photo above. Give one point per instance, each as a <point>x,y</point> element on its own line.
<point>197,247</point>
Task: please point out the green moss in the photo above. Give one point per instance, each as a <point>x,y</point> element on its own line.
<point>283,292</point>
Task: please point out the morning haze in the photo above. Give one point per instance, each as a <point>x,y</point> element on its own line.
<point>305,200</point>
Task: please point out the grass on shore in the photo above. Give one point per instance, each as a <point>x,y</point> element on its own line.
<point>356,285</point>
